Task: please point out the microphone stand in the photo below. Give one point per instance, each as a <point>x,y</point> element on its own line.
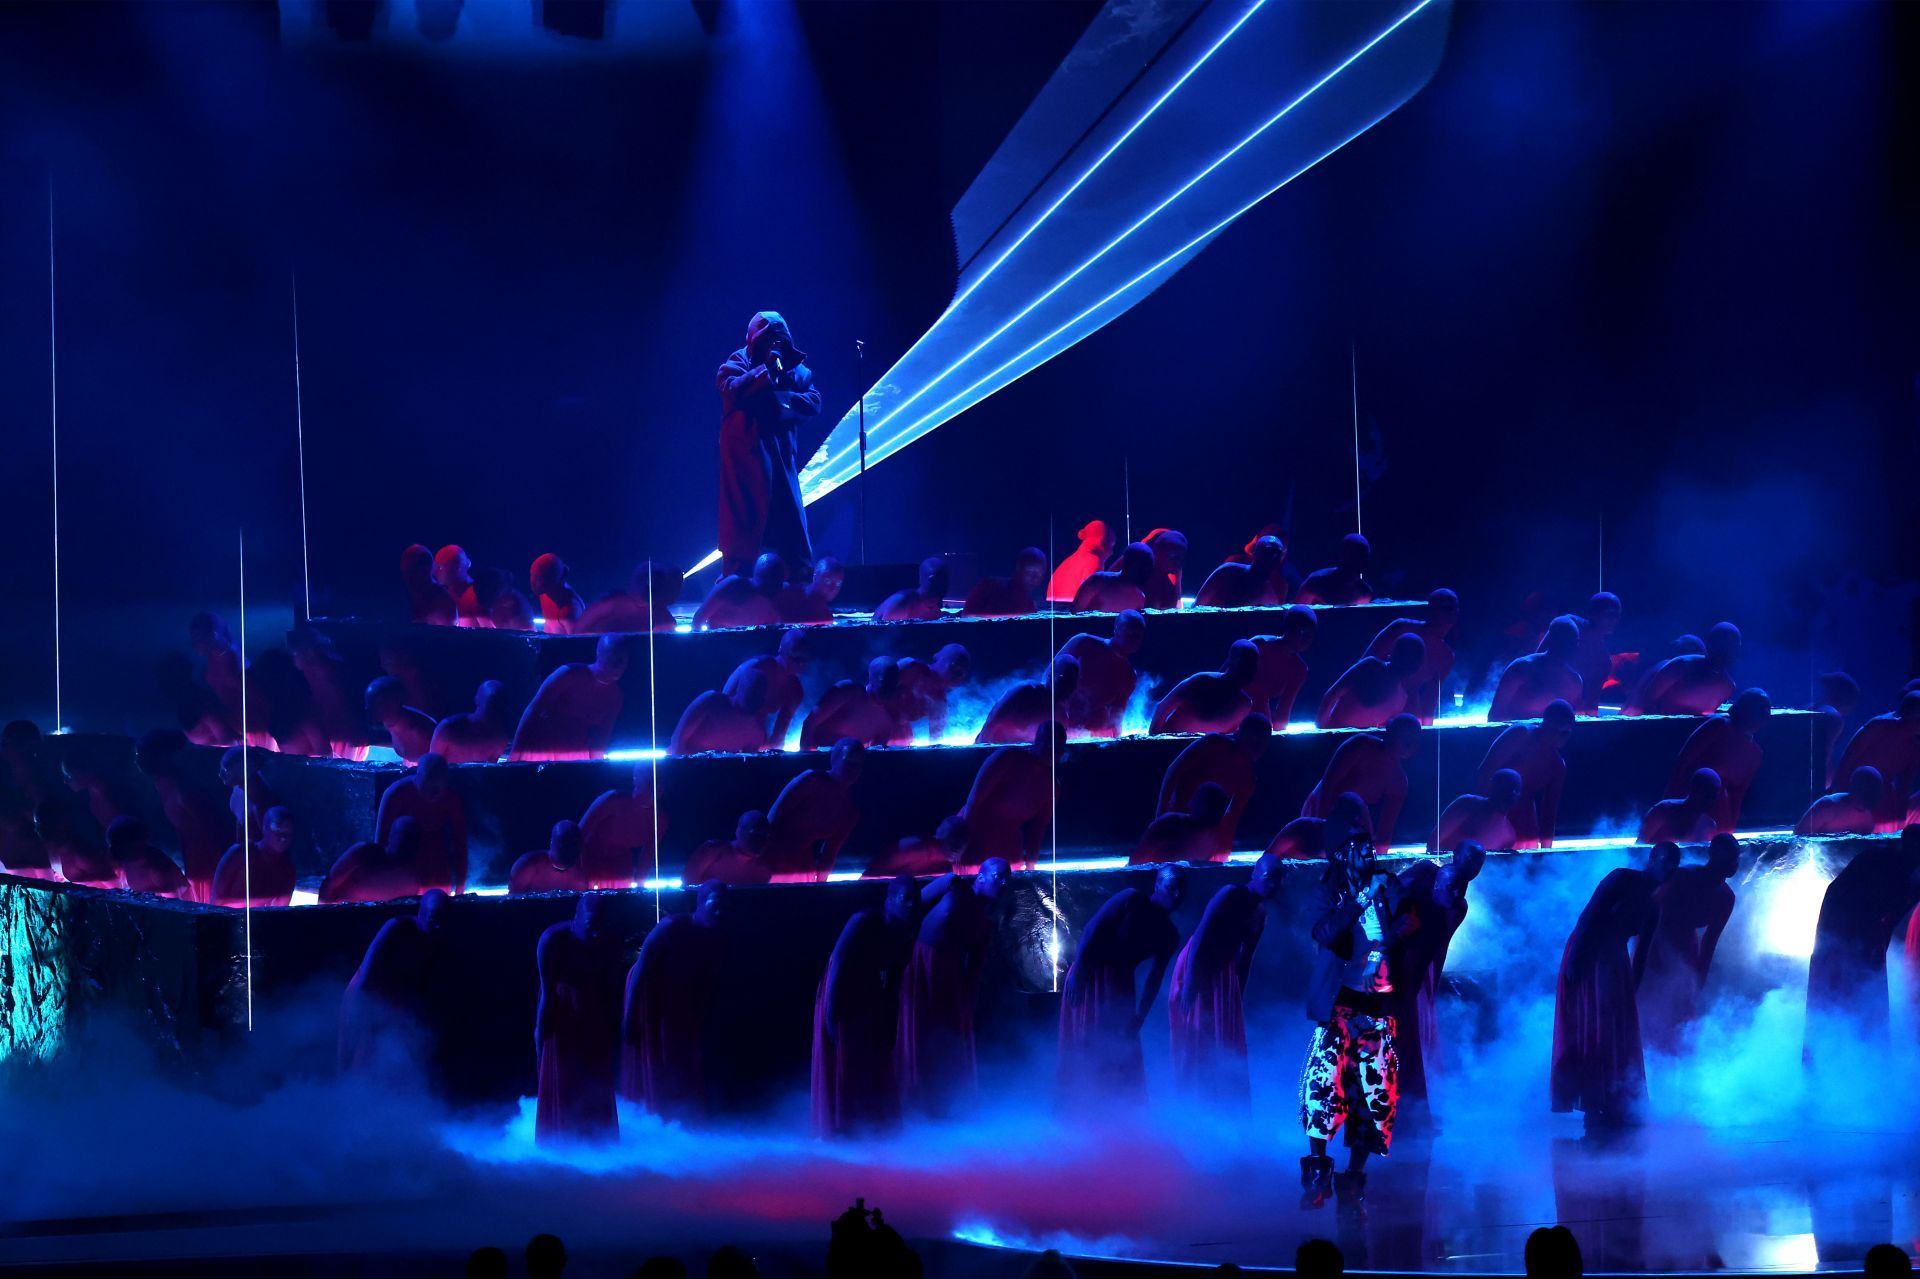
<point>860,349</point>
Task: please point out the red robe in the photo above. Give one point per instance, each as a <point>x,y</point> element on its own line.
<point>1206,1003</point>
<point>442,823</point>
<point>1694,906</point>
<point>1598,1065</point>
<point>272,877</point>
<point>760,502</point>
<point>570,717</point>
<point>1099,1042</point>
<point>934,1054</point>
<point>578,1033</point>
<point>381,1014</point>
<point>664,1027</point>
<point>854,1084</point>
<point>202,826</point>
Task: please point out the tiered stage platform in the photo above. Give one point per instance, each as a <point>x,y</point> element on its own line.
<point>1617,767</point>
<point>192,979</point>
<point>670,668</point>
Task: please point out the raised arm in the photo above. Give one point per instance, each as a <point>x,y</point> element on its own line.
<point>737,380</point>
<point>783,719</point>
<point>799,394</point>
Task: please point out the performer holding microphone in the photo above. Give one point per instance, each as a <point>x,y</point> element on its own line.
<point>1351,1077</point>
<point>765,389</point>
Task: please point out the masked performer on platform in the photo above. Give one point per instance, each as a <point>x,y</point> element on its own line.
<point>765,389</point>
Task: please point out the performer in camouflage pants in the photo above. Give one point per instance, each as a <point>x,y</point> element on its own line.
<point>1351,1079</point>
<point>1351,1076</point>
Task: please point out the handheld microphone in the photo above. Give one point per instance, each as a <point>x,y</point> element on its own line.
<point>775,363</point>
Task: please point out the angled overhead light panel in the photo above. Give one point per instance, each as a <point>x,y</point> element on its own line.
<point>1117,176</point>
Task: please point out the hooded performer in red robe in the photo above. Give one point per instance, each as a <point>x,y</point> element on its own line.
<point>427,796</point>
<point>1096,543</point>
<point>1598,1066</point>
<point>669,993</point>
<point>1206,1005</point>
<point>766,388</point>
<point>856,1013</point>
<point>1848,1013</point>
<point>572,714</point>
<point>200,821</point>
<point>576,1033</point>
<point>1438,895</point>
<point>1695,904</point>
<point>1102,1006</point>
<point>935,1051</point>
<point>384,1011</point>
<point>1009,811</point>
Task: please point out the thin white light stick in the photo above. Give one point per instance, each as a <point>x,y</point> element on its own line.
<point>53,375</point>
<point>246,784</point>
<point>300,438</point>
<point>1053,779</point>
<point>653,748</point>
<point>1353,356</point>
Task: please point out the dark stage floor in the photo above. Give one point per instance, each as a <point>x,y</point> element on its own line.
<point>1772,1197</point>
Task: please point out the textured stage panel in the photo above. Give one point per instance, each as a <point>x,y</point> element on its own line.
<point>687,664</point>
<point>71,954</point>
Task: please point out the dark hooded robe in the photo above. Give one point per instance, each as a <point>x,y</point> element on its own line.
<point>1206,1008</point>
<point>577,1031</point>
<point>1099,1034</point>
<point>1598,1064</point>
<point>760,455</point>
<point>385,1014</point>
<point>1418,975</point>
<point>1848,1008</point>
<point>856,1012</point>
<point>663,1030</point>
<point>934,1051</point>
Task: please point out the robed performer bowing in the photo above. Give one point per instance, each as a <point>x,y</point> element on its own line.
<point>765,389</point>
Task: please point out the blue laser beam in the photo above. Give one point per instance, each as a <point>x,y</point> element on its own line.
<point>1172,258</point>
<point>1145,218</point>
<point>900,391</point>
<point>1131,129</point>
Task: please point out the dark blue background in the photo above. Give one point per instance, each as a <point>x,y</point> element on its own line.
<point>1652,263</point>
